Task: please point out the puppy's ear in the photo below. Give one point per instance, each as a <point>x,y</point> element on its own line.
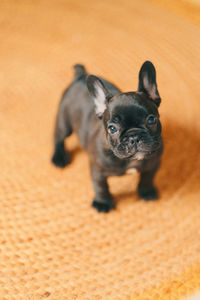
<point>99,93</point>
<point>147,82</point>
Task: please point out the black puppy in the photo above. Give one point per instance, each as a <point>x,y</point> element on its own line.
<point>123,135</point>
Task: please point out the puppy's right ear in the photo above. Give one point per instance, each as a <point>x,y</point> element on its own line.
<point>99,93</point>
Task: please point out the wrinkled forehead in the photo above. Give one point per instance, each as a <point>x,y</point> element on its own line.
<point>131,105</point>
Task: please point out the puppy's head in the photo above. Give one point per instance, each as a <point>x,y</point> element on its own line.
<point>131,119</point>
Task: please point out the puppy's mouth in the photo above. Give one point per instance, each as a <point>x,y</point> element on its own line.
<point>138,146</point>
<point>123,152</point>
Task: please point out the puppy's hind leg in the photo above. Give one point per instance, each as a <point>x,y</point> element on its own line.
<point>63,129</point>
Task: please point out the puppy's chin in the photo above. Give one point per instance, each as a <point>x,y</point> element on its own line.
<point>124,154</point>
<point>139,156</point>
<point>136,155</point>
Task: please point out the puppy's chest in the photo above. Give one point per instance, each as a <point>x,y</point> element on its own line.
<point>116,167</point>
<point>132,167</point>
<point>117,170</point>
<point>131,171</point>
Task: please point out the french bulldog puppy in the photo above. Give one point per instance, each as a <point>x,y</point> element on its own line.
<point>120,131</point>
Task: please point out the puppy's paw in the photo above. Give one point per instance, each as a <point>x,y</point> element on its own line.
<point>103,206</point>
<point>60,159</point>
<point>148,193</point>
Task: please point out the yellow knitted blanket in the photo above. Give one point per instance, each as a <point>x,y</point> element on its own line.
<point>53,245</point>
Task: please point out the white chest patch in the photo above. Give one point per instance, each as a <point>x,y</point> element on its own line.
<point>131,171</point>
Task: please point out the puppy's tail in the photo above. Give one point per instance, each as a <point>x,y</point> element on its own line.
<point>79,71</point>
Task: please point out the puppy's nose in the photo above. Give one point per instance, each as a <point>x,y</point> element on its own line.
<point>133,140</point>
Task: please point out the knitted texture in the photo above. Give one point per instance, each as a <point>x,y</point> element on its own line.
<point>53,245</point>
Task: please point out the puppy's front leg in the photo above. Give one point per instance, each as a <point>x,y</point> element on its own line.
<point>103,199</point>
<point>146,188</point>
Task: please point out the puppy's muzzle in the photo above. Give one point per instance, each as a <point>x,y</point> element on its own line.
<point>131,141</point>
<point>138,141</point>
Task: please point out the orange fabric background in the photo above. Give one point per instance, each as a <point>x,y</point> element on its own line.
<point>52,243</point>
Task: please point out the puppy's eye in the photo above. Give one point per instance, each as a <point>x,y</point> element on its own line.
<point>151,120</point>
<point>112,129</point>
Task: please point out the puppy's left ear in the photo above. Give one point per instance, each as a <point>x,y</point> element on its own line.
<point>99,93</point>
<point>147,82</point>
